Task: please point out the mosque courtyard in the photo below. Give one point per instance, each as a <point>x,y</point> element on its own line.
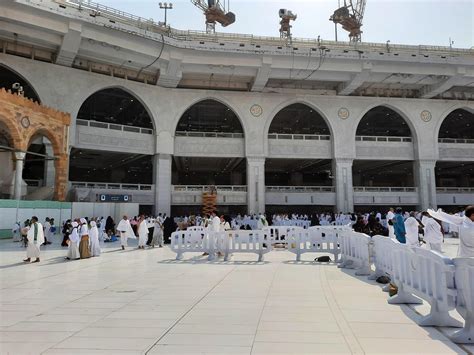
<point>145,302</point>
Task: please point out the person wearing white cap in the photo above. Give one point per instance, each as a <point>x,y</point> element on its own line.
<point>94,239</point>
<point>73,243</point>
<point>126,231</point>
<point>84,243</point>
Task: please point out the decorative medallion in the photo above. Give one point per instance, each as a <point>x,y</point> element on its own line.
<point>25,121</point>
<point>425,115</point>
<point>256,110</point>
<point>343,113</point>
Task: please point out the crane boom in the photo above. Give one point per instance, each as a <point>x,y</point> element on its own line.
<point>214,12</point>
<point>350,18</point>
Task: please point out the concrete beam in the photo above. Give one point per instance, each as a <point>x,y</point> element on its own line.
<point>263,74</point>
<point>356,81</point>
<point>171,74</point>
<point>430,91</point>
<point>70,45</point>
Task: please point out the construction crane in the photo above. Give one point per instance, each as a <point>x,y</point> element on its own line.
<point>285,27</point>
<point>350,18</point>
<point>214,12</point>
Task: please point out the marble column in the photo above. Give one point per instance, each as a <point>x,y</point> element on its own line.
<point>425,180</point>
<point>342,168</point>
<point>162,180</point>
<point>256,184</point>
<point>20,157</point>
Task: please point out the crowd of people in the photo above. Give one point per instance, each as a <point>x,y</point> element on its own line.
<point>83,236</point>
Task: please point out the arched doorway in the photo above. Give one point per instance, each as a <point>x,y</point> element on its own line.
<point>115,106</point>
<point>10,80</point>
<point>457,127</point>
<point>299,119</point>
<point>382,121</point>
<point>209,116</point>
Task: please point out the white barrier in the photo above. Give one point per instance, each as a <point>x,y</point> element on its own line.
<point>464,279</point>
<point>382,256</point>
<point>196,229</point>
<point>303,223</point>
<point>244,241</point>
<point>355,249</point>
<point>192,242</point>
<point>430,276</point>
<point>318,239</point>
<point>279,234</point>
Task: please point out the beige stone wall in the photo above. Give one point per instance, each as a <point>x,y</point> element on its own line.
<point>26,119</point>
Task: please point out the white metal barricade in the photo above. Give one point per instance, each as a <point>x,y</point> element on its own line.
<point>279,234</point>
<point>303,223</point>
<point>196,229</point>
<point>428,275</point>
<point>317,239</point>
<point>355,249</point>
<point>192,241</point>
<point>464,279</point>
<point>244,241</point>
<point>383,252</point>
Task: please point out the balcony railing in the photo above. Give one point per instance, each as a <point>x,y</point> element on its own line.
<point>382,139</point>
<point>456,140</point>
<point>113,126</point>
<point>209,134</point>
<point>205,188</point>
<point>111,186</point>
<point>448,190</point>
<point>384,189</point>
<point>307,137</point>
<point>290,189</point>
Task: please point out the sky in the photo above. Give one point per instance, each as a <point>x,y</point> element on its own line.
<point>415,22</point>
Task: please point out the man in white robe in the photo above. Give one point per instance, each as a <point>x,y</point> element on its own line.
<point>142,230</point>
<point>35,238</point>
<point>126,231</point>
<point>411,228</point>
<point>390,217</point>
<point>432,232</point>
<point>466,229</point>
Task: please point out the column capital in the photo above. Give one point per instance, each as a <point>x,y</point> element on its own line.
<point>344,160</point>
<point>426,161</point>
<point>255,159</point>
<point>20,155</point>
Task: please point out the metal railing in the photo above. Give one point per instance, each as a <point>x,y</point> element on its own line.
<point>111,186</point>
<point>447,190</point>
<point>308,137</point>
<point>383,139</point>
<point>113,126</point>
<point>290,189</point>
<point>384,189</point>
<point>456,140</point>
<point>114,15</point>
<point>209,134</point>
<point>204,188</point>
<point>33,183</point>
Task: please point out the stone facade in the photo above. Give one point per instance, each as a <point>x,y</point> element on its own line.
<point>26,120</point>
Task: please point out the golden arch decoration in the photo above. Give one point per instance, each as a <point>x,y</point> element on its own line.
<point>26,119</point>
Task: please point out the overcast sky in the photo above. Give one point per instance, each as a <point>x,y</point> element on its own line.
<point>428,22</point>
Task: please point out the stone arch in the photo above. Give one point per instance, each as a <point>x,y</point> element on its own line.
<point>133,94</point>
<point>289,103</point>
<point>224,103</point>
<point>5,76</point>
<point>447,116</point>
<point>398,111</point>
<point>12,131</point>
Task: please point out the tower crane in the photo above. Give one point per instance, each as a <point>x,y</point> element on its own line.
<point>350,18</point>
<point>285,27</point>
<point>215,12</point>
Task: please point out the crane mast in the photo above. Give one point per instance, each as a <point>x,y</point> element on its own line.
<point>214,12</point>
<point>350,17</point>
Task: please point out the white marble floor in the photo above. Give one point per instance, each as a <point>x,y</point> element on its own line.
<point>136,302</point>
